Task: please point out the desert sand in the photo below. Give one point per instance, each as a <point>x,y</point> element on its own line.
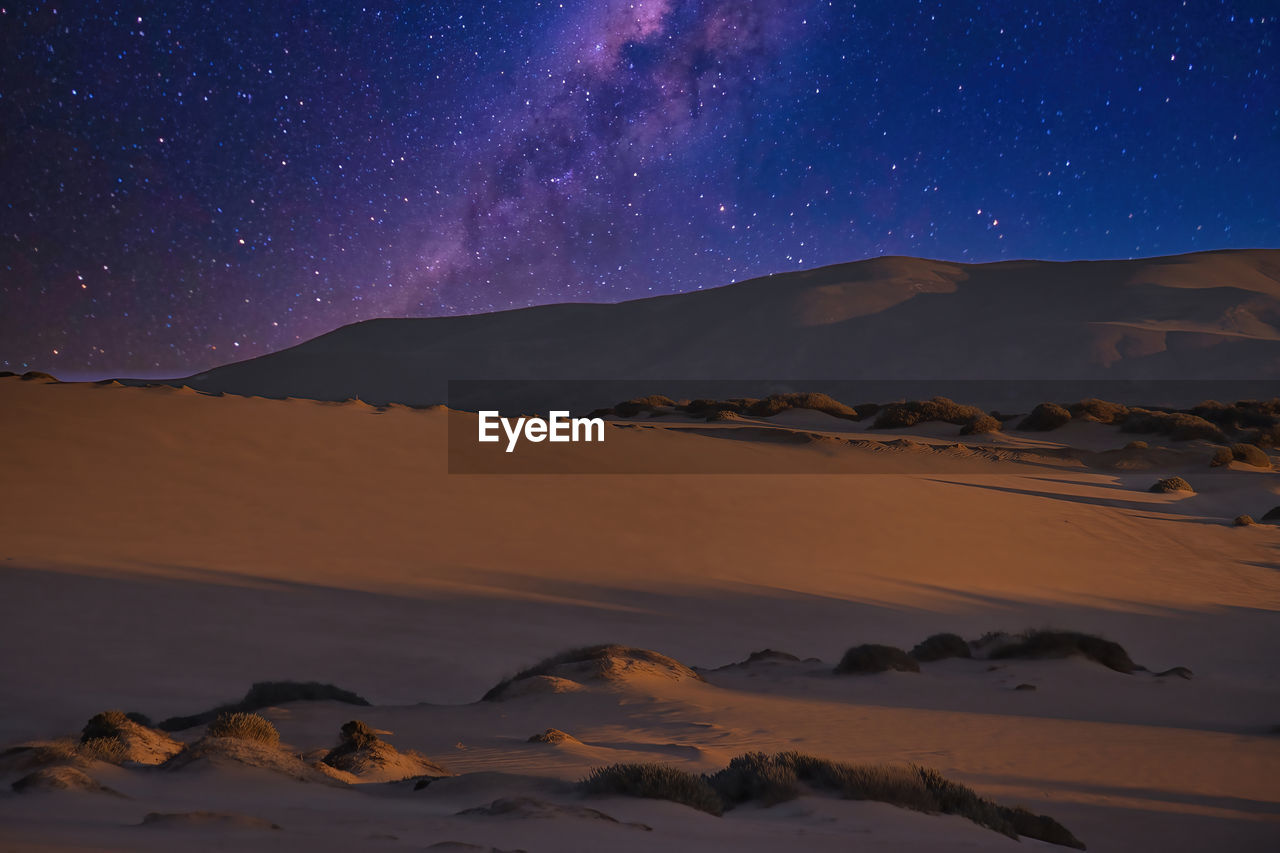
<point>163,549</point>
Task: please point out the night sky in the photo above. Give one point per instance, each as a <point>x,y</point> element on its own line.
<point>187,184</point>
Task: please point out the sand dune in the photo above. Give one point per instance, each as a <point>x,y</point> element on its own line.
<point>1210,315</point>
<point>162,551</point>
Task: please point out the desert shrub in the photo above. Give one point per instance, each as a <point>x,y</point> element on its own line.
<point>32,375</point>
<point>724,415</point>
<point>1264,436</point>
<point>654,781</point>
<point>912,412</point>
<point>941,646</point>
<point>590,654</point>
<point>1179,426</point>
<point>1061,644</point>
<point>1243,414</point>
<point>358,733</point>
<point>1221,456</point>
<point>1250,455</point>
<point>983,424</point>
<point>1136,445</point>
<point>1171,484</point>
<point>1045,417</point>
<point>264,694</point>
<point>769,654</point>
<point>631,408</point>
<point>1244,521</point>
<point>702,407</point>
<point>777,778</point>
<point>1098,410</point>
<point>244,726</point>
<point>871,658</point>
<point>776,403</point>
<point>768,779</point>
<point>107,724</point>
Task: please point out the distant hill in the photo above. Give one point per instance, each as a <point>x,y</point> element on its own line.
<point>1209,315</point>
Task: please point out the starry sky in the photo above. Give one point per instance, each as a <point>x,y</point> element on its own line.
<point>187,184</point>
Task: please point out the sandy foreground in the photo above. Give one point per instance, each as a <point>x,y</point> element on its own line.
<point>161,550</point>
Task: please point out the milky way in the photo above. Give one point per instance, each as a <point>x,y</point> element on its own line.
<point>188,184</point>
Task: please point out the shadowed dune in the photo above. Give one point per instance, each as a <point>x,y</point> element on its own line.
<point>1200,315</point>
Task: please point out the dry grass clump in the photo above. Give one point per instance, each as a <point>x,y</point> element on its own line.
<point>265,694</point>
<point>1221,456</point>
<point>940,647</point>
<point>777,778</point>
<point>1244,521</point>
<point>1045,417</point>
<point>33,375</point>
<point>633,407</point>
<point>1179,426</point>
<point>1267,437</point>
<point>704,407</point>
<point>981,425</point>
<point>1062,644</point>
<point>597,662</point>
<point>1171,484</point>
<point>757,777</point>
<point>108,749</point>
<point>1243,414</point>
<point>872,658</point>
<point>654,781</point>
<point>107,724</point>
<point>776,403</point>
<point>912,412</point>
<point>117,737</point>
<point>1099,411</point>
<point>1250,455</point>
<point>1137,445</point>
<point>244,726</point>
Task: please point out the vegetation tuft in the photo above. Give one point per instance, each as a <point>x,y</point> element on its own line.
<point>656,782</point>
<point>1045,417</point>
<point>1171,484</point>
<point>912,412</point>
<point>776,778</point>
<point>244,726</point>
<point>940,647</point>
<point>871,658</point>
<point>1061,644</point>
<point>265,694</point>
